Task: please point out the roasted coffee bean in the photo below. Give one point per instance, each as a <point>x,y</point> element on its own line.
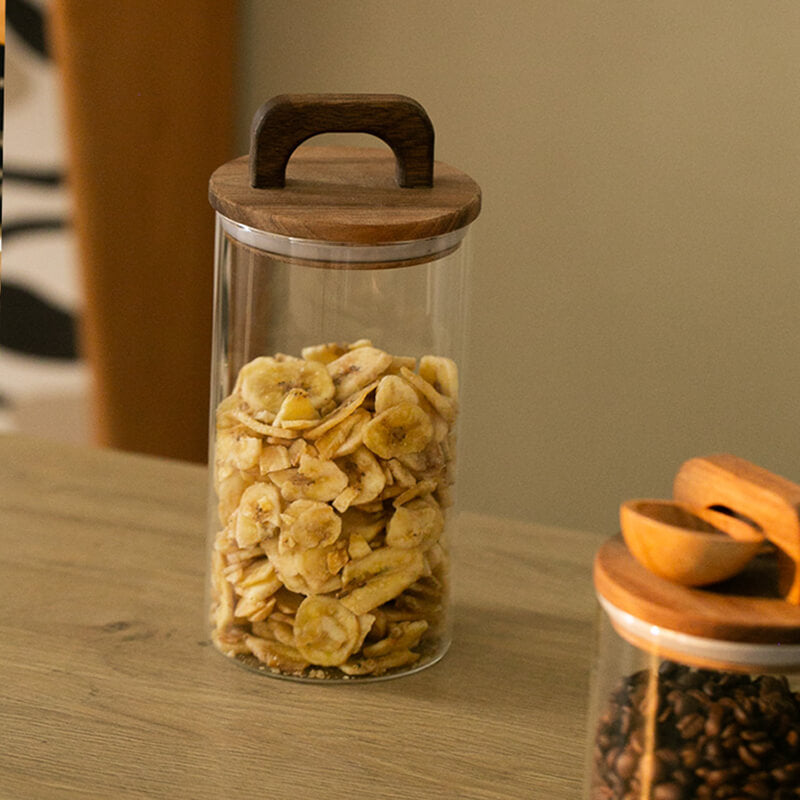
<point>757,790</point>
<point>747,757</point>
<point>700,696</point>
<point>669,791</point>
<point>626,764</point>
<point>713,724</point>
<point>714,736</point>
<point>761,748</point>
<point>787,775</point>
<point>691,725</point>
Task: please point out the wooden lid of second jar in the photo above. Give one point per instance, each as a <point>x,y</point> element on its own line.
<point>653,581</point>
<point>730,611</point>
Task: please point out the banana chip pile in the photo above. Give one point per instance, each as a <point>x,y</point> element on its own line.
<point>333,475</point>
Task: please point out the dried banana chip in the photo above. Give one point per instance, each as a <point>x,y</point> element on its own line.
<point>341,412</point>
<point>357,521</point>
<point>261,428</point>
<point>441,373</point>
<point>400,430</point>
<point>418,524</point>
<point>307,571</point>
<point>373,507</point>
<point>402,474</point>
<point>393,390</point>
<point>258,514</point>
<point>344,437</point>
<point>325,353</point>
<point>264,382</point>
<point>259,576</point>
<point>230,643</point>
<point>253,608</point>
<point>421,489</point>
<point>364,474</point>
<point>296,411</point>
<point>276,655</point>
<point>402,636</point>
<point>409,362</point>
<point>356,369</point>
<point>275,630</point>
<point>357,547</point>
<point>326,632</point>
<point>425,464</point>
<point>312,479</point>
<point>229,493</point>
<point>446,406</point>
<point>378,562</point>
<point>300,448</point>
<point>379,577</point>
<point>236,450</point>
<point>274,457</point>
<point>379,665</point>
<point>308,523</point>
<point>287,602</point>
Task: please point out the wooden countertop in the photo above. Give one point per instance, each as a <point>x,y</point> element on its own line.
<point>108,688</point>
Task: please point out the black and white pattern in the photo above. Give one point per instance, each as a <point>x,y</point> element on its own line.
<point>43,379</point>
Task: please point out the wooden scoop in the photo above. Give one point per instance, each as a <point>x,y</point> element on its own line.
<point>772,502</point>
<point>690,546</point>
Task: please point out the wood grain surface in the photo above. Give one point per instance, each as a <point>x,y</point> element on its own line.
<point>768,500</point>
<point>346,194</point>
<point>109,688</point>
<point>286,121</point>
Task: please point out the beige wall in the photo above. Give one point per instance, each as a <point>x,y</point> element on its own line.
<point>636,292</point>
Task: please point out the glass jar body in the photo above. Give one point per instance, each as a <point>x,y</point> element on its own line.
<point>334,396</point>
<point>663,726</point>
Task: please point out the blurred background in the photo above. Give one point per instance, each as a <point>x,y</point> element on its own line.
<point>636,288</point>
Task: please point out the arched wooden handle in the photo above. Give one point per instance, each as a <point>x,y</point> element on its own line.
<point>770,501</point>
<point>285,121</point>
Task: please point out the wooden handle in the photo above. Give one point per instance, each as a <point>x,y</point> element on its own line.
<point>752,492</point>
<point>285,121</point>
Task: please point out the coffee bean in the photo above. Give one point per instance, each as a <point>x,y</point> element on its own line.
<point>753,736</point>
<point>747,757</point>
<point>761,748</point>
<point>626,764</point>
<point>713,725</point>
<point>714,736</point>
<point>691,725</point>
<point>741,714</point>
<point>669,791</point>
<point>787,775</point>
<point>757,790</point>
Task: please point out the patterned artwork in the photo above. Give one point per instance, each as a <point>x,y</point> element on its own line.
<point>43,379</point>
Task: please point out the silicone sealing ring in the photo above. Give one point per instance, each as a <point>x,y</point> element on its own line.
<point>745,655</point>
<point>341,252</point>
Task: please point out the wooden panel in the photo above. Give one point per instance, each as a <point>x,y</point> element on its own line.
<point>110,688</point>
<point>148,89</point>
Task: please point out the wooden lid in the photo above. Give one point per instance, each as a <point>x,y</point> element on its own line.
<point>731,611</point>
<point>359,196</point>
<point>748,621</point>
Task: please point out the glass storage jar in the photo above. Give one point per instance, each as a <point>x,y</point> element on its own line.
<point>338,339</point>
<point>696,690</point>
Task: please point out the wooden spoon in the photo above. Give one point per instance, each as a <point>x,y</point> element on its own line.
<point>693,547</point>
